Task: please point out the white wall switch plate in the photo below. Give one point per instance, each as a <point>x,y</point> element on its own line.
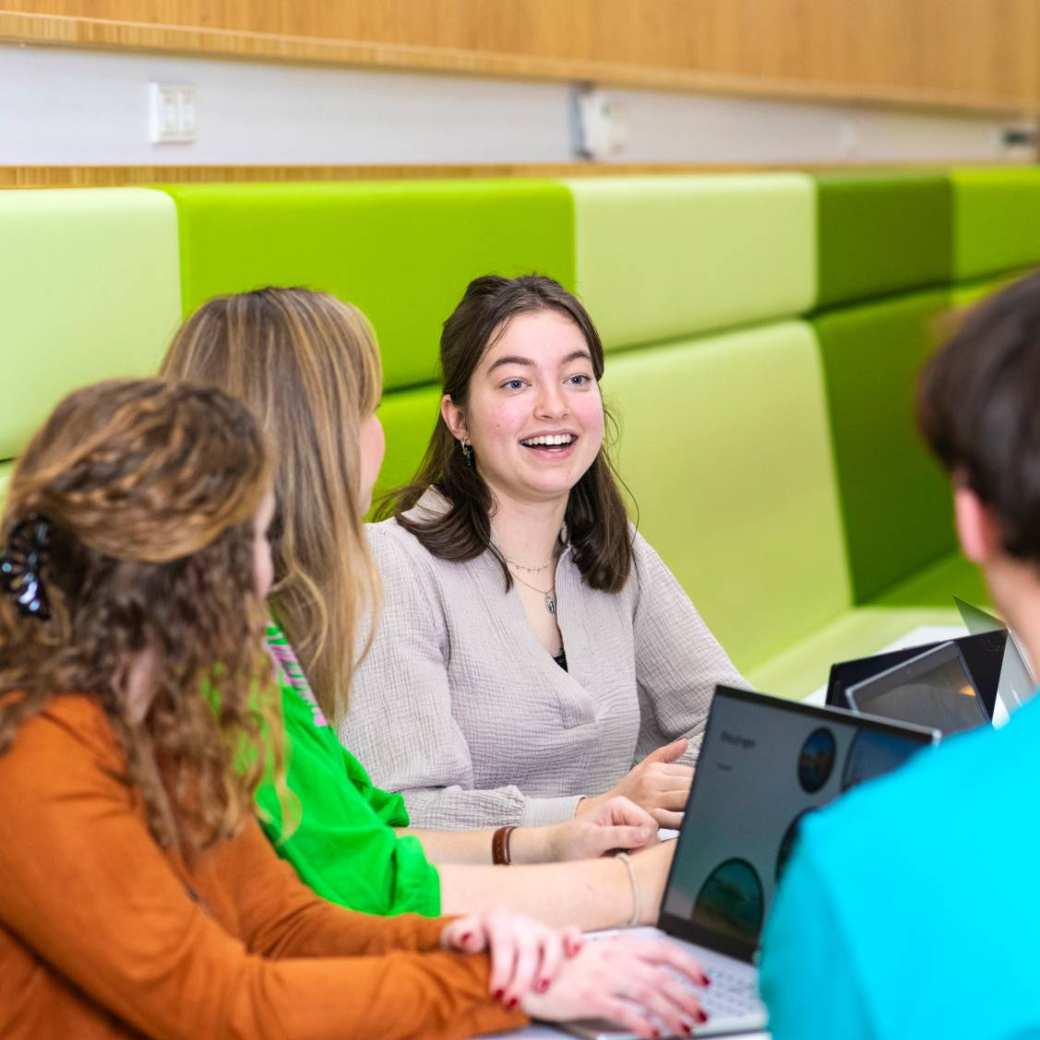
<point>172,113</point>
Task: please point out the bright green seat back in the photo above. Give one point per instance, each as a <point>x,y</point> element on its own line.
<point>881,233</point>
<point>408,418</point>
<point>996,220</point>
<point>90,290</point>
<point>664,257</point>
<point>895,499</point>
<point>401,251</point>
<point>724,445</point>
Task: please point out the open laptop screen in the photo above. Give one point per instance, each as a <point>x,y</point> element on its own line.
<point>933,689</point>
<point>764,764</point>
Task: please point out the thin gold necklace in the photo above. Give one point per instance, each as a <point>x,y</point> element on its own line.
<point>523,566</point>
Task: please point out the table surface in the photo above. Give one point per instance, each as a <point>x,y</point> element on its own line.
<point>922,634</point>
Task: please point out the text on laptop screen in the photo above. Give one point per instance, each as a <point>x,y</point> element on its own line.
<point>764,765</point>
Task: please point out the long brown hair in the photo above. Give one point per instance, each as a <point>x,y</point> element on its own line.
<point>308,366</point>
<point>596,519</point>
<point>148,495</point>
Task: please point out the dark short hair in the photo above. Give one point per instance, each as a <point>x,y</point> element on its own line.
<point>596,518</point>
<point>978,408</point>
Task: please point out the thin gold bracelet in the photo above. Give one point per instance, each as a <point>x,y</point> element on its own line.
<point>626,859</point>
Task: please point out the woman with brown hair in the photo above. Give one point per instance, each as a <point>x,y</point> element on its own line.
<point>308,366</point>
<point>137,895</point>
<point>537,658</point>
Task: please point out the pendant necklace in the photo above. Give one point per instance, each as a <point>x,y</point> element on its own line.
<point>549,595</point>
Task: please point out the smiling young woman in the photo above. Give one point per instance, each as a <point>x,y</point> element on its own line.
<point>536,657</point>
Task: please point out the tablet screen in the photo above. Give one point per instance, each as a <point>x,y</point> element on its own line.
<point>933,689</point>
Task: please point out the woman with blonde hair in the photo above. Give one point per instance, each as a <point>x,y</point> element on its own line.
<point>137,895</point>
<point>308,366</point>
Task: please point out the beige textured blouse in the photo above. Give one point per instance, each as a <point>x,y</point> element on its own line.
<point>460,708</point>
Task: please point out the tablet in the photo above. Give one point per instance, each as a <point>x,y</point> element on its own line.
<point>932,689</point>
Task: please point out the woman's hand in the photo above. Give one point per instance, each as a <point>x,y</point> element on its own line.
<point>658,784</point>
<point>641,984</point>
<point>615,824</point>
<point>525,956</point>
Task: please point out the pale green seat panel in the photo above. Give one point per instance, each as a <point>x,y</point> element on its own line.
<point>860,632</point>
<point>666,257</point>
<point>90,287</point>
<point>724,445</point>
<point>408,418</point>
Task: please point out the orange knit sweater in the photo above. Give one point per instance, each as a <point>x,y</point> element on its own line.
<point>105,935</point>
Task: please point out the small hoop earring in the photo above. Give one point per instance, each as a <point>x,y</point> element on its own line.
<point>467,451</point>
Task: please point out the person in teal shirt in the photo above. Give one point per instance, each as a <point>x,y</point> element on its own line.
<point>910,907</point>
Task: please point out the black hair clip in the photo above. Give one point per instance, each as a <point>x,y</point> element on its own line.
<point>21,563</point>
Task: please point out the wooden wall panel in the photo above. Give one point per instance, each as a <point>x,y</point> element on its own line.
<point>971,54</point>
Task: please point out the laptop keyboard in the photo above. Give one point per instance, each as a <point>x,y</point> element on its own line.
<point>732,994</point>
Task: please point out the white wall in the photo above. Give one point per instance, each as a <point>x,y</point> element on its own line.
<point>61,106</point>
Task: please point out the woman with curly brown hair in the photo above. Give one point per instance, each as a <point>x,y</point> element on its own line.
<point>137,894</point>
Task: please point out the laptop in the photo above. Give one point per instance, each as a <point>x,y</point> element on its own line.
<point>1016,684</point>
<point>933,689</point>
<point>765,764</point>
<point>982,654</point>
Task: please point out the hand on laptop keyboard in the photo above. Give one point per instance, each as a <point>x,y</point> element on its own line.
<point>641,984</point>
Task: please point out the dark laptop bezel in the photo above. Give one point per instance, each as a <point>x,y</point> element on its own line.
<point>860,699</point>
<point>682,928</point>
<point>983,654</point>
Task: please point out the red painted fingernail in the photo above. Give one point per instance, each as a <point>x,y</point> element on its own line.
<point>499,994</point>
<point>687,1028</point>
<point>656,1034</point>
<point>466,936</point>
<point>705,981</point>
<point>543,985</point>
<point>702,1016</point>
<point>511,1003</point>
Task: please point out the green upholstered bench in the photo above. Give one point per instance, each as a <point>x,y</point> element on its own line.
<point>769,445</point>
<point>664,257</point>
<point>996,220</point>
<point>881,233</point>
<point>90,291</point>
<point>401,251</point>
<point>724,445</point>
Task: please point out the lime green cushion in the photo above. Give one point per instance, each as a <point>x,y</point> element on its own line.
<point>996,220</point>
<point>90,291</point>
<point>881,233</point>
<point>401,251</point>
<point>664,257</point>
<point>724,445</point>
<point>895,499</point>
<point>408,418</point>
<point>859,632</point>
<point>966,294</point>
<point>937,584</point>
